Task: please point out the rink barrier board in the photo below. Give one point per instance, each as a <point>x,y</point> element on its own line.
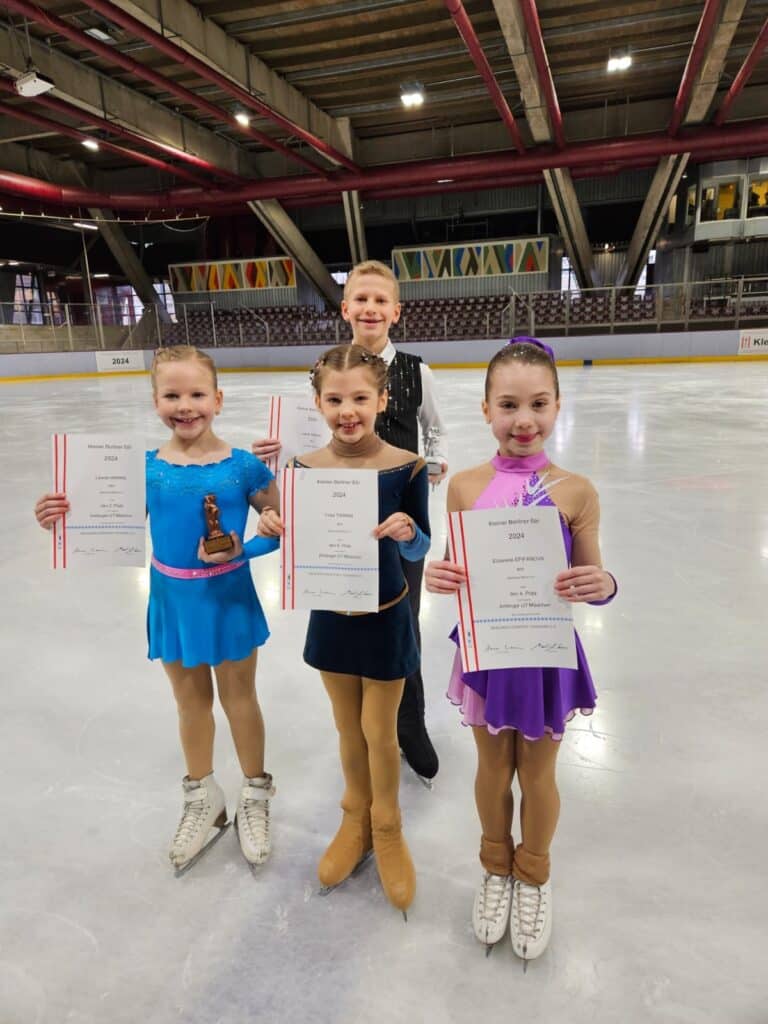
<point>628,361</point>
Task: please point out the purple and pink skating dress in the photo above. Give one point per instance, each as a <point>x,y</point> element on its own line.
<point>535,701</point>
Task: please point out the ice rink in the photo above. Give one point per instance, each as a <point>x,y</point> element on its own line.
<point>660,898</point>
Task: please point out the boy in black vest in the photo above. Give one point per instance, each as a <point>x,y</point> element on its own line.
<point>371,305</point>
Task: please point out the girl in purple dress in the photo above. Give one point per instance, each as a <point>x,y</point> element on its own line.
<point>518,715</point>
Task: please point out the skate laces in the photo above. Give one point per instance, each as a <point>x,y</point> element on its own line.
<point>529,907</point>
<point>254,811</point>
<point>192,818</point>
<point>494,897</point>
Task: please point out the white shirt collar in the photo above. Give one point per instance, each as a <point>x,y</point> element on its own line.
<point>388,353</point>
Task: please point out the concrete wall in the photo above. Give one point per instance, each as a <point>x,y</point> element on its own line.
<point>680,345</point>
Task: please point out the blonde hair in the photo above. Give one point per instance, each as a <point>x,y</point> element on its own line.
<point>349,357</point>
<point>372,267</point>
<point>180,354</point>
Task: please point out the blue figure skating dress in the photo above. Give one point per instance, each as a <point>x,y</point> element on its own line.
<point>212,618</point>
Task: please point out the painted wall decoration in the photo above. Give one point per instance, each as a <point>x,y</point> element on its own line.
<point>233,275</point>
<point>478,259</point>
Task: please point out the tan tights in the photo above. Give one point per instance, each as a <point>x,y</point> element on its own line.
<point>236,684</point>
<point>498,758</point>
<point>365,713</point>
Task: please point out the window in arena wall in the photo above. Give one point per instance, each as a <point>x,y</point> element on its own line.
<point>721,201</point>
<point>690,206</point>
<point>568,281</point>
<point>757,202</point>
<point>27,308</point>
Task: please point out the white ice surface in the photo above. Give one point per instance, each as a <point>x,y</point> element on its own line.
<point>659,861</point>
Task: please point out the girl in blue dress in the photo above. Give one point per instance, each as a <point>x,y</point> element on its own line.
<point>203,610</point>
<point>364,658</point>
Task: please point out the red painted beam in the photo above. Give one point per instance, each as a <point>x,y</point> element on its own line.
<point>111,127</point>
<point>702,143</point>
<point>114,56</point>
<point>134,155</point>
<point>179,55</point>
<point>743,74</point>
<point>535,38</point>
<point>701,41</point>
<point>466,31</point>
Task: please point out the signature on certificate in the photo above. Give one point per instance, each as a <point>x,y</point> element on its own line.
<point>503,649</point>
<point>549,646</point>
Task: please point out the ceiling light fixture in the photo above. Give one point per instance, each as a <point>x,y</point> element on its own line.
<point>91,144</point>
<point>619,63</point>
<point>242,118</point>
<point>411,94</point>
<point>88,227</point>
<point>101,34</point>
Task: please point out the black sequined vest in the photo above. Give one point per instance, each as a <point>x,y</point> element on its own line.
<point>398,424</point>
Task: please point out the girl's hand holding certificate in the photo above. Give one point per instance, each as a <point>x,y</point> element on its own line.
<point>585,583</point>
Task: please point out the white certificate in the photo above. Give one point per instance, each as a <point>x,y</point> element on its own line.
<point>509,613</point>
<point>298,425</point>
<point>329,556</point>
<point>104,480</point>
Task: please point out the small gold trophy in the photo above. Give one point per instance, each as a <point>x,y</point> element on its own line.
<point>216,540</point>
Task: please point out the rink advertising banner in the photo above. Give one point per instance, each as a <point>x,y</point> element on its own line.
<point>115,362</point>
<point>104,481</point>
<point>329,558</point>
<point>509,613</point>
<point>751,342</point>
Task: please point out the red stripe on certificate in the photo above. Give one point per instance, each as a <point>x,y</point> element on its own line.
<point>469,590</point>
<point>64,489</point>
<point>293,539</point>
<point>283,502</point>
<point>55,530</point>
<point>459,596</point>
<point>271,460</point>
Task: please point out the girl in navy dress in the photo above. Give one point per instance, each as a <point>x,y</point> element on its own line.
<point>519,715</point>
<point>203,610</point>
<point>364,658</point>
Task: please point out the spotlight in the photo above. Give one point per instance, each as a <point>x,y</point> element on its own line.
<point>242,118</point>
<point>411,94</point>
<point>32,83</point>
<point>619,63</point>
<point>91,144</point>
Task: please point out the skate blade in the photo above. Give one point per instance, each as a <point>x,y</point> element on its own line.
<point>426,783</point>
<point>325,890</point>
<point>221,829</point>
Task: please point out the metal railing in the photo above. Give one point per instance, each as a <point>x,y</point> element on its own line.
<point>720,302</point>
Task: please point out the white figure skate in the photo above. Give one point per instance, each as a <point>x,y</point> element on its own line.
<point>252,818</point>
<point>204,809</point>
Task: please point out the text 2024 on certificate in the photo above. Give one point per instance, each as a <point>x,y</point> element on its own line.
<point>329,556</point>
<point>104,480</point>
<point>509,613</point>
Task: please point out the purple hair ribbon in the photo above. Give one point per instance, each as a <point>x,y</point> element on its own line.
<point>523,340</point>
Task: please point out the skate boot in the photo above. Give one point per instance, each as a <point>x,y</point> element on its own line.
<point>530,923</point>
<point>393,859</point>
<point>412,735</point>
<point>204,809</point>
<point>348,850</point>
<point>252,818</point>
<point>490,914</point>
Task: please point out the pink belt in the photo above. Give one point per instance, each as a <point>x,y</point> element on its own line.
<point>197,574</point>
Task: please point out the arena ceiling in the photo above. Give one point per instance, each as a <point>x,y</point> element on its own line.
<point>515,91</point>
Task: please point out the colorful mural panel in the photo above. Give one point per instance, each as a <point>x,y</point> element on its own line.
<point>479,259</point>
<point>407,264</point>
<point>233,275</point>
